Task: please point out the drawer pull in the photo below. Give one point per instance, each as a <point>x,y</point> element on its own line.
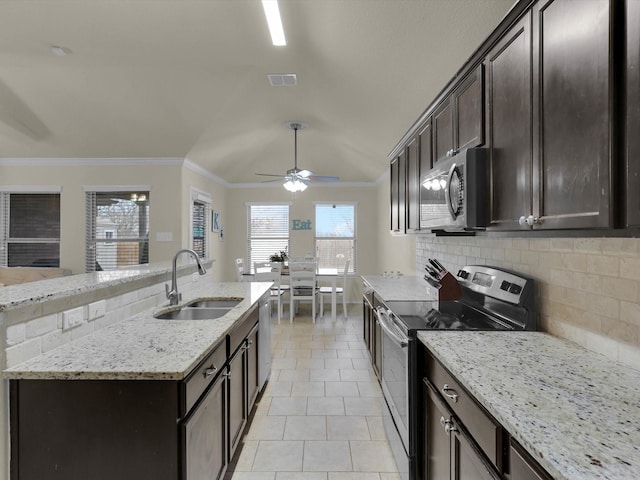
<point>210,371</point>
<point>452,396</point>
<point>448,425</point>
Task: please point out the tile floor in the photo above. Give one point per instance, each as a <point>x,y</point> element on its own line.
<point>320,415</point>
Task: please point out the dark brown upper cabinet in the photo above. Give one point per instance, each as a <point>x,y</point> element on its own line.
<point>398,192</point>
<point>572,115</point>
<point>509,128</point>
<point>413,186</point>
<point>549,116</point>
<point>632,104</point>
<point>458,122</point>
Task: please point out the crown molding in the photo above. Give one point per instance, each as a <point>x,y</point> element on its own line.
<point>93,162</point>
<point>194,167</point>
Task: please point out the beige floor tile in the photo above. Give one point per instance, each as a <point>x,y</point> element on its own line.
<point>301,476</point>
<point>339,363</point>
<point>376,429</point>
<point>323,353</point>
<point>299,374</point>
<point>362,363</point>
<point>298,353</point>
<point>352,375</point>
<point>347,428</point>
<point>267,427</point>
<point>325,406</point>
<point>253,475</point>
<point>389,476</point>
<point>368,406</point>
<point>247,455</point>
<point>369,389</point>
<point>357,346</point>
<point>374,456</point>
<point>350,353</point>
<point>288,406</point>
<point>342,389</point>
<point>308,389</point>
<point>326,456</point>
<point>326,375</point>
<point>311,363</point>
<point>278,456</point>
<point>263,406</point>
<point>306,428</point>
<point>337,345</point>
<point>277,388</point>
<point>284,363</point>
<point>353,476</point>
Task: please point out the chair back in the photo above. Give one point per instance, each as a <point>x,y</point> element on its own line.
<point>302,275</point>
<point>345,274</point>
<point>239,263</point>
<point>267,272</point>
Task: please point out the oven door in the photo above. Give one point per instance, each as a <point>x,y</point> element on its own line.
<point>395,385</point>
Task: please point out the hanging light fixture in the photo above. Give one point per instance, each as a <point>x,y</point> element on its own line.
<point>295,185</point>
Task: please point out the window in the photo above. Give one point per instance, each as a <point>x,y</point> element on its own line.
<point>200,227</point>
<point>29,229</point>
<point>267,231</point>
<point>117,228</point>
<point>335,236</point>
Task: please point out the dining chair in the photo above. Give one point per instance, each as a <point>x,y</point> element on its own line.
<point>339,291</point>
<point>270,272</point>
<point>239,264</point>
<point>302,283</point>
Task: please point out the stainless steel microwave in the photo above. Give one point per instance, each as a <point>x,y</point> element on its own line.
<point>454,193</point>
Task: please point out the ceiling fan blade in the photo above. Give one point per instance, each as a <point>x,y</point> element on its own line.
<point>274,180</point>
<point>304,173</point>
<point>322,178</point>
<point>269,175</point>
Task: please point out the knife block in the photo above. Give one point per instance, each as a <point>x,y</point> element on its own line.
<point>449,288</point>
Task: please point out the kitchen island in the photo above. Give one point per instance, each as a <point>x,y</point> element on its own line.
<point>140,396</point>
<point>575,412</point>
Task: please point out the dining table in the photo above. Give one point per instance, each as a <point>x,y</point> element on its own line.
<point>329,275</point>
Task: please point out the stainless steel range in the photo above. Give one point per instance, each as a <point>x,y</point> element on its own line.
<point>489,299</point>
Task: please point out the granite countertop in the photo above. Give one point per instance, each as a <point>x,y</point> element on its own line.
<point>142,347</point>
<point>404,287</point>
<point>575,411</point>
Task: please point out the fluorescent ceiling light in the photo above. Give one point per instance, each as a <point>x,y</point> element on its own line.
<point>274,21</point>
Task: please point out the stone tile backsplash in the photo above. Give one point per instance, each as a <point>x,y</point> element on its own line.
<point>588,288</point>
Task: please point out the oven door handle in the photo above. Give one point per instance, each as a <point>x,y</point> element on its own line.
<point>397,337</point>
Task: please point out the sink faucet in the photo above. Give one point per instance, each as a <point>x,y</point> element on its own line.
<point>173,295</point>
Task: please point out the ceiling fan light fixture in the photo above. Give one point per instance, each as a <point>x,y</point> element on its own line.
<point>295,185</point>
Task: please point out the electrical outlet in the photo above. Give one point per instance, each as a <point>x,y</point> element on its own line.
<point>96,309</point>
<point>72,318</point>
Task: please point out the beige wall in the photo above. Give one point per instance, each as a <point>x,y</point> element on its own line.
<point>169,202</point>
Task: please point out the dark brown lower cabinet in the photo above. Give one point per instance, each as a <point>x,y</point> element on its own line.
<point>449,450</point>
<point>205,434</point>
<point>523,467</point>
<point>372,331</point>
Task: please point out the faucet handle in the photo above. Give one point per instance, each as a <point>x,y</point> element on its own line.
<point>166,291</point>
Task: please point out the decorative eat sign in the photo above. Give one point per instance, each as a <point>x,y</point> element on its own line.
<point>301,224</point>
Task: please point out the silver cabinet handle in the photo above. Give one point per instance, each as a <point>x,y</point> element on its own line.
<point>450,427</point>
<point>452,396</point>
<point>210,371</point>
<point>531,220</point>
<point>522,220</point>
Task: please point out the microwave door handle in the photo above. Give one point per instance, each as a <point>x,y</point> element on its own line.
<point>447,191</point>
<point>401,341</point>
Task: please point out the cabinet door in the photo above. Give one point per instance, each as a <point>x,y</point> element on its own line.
<point>205,436</point>
<point>413,186</point>
<point>572,116</point>
<point>436,453</point>
<point>633,114</point>
<point>252,367</point>
<point>467,461</point>
<point>237,398</point>
<point>469,107</point>
<point>442,119</point>
<point>377,347</point>
<point>508,68</point>
<point>523,467</point>
<point>367,312</point>
<point>396,208</point>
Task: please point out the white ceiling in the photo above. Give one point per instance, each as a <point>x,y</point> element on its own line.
<point>188,79</point>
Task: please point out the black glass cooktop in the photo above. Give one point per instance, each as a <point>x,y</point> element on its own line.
<point>441,315</point>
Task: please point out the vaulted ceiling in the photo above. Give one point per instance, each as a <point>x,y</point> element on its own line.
<point>188,79</point>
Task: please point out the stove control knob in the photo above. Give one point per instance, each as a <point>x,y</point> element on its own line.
<point>505,286</point>
<point>463,274</point>
<point>515,289</point>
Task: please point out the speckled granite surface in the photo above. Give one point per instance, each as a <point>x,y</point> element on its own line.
<point>575,411</point>
<point>405,287</point>
<point>143,347</point>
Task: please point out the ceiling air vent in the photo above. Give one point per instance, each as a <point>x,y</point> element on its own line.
<point>282,79</point>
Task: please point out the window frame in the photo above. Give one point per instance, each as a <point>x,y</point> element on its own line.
<point>91,242</point>
<point>5,219</point>
<point>200,197</point>
<point>353,261</point>
<point>276,248</point>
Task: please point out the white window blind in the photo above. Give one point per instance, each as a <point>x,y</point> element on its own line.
<point>29,229</point>
<point>267,231</point>
<point>200,228</point>
<point>117,229</point>
<point>335,236</point>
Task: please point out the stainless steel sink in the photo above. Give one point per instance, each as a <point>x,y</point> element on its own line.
<point>187,313</point>
<point>216,302</point>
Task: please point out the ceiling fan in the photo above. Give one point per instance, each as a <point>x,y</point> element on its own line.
<point>296,179</point>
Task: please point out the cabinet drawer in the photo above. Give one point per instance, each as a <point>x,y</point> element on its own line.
<point>486,431</point>
<point>241,330</point>
<point>198,380</point>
